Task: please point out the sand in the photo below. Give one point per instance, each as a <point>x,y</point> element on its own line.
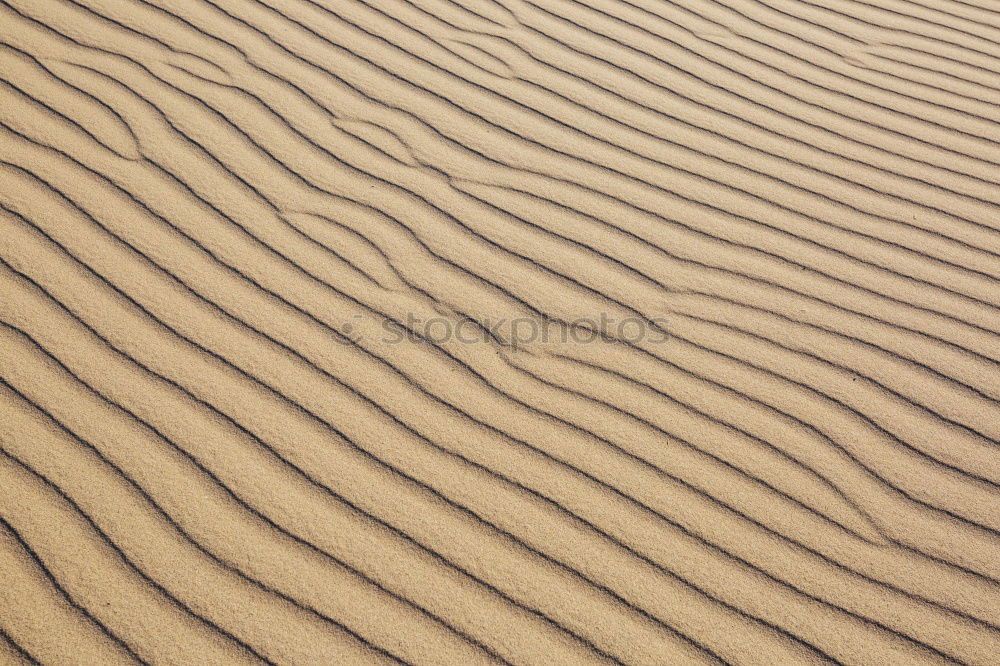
<point>499,331</point>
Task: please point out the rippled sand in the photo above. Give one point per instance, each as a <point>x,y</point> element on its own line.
<point>518,331</point>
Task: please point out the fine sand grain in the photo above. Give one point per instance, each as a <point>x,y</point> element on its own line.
<point>499,331</point>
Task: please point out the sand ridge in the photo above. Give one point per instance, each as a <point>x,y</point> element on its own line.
<point>517,331</point>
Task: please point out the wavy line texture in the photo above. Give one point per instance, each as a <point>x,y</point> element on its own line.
<point>499,331</point>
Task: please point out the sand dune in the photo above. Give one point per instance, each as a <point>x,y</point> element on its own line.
<point>499,331</point>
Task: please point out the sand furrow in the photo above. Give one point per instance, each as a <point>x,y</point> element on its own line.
<point>499,331</point>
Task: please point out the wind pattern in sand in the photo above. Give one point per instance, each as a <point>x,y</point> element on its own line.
<point>499,331</point>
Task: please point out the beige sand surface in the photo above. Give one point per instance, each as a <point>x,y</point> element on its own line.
<point>499,331</point>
